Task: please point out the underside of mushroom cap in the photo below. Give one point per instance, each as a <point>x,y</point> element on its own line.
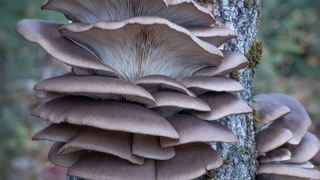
<point>47,35</point>
<point>108,115</point>
<point>96,87</point>
<point>65,160</point>
<point>142,46</point>
<point>185,13</point>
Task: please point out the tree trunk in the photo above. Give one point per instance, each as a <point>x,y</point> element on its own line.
<point>243,17</point>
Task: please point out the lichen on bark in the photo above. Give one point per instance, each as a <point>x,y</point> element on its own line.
<point>239,158</point>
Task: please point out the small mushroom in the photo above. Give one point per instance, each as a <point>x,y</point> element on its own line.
<point>191,161</point>
<point>106,115</point>
<point>272,138</point>
<point>58,132</point>
<point>231,62</point>
<point>214,35</point>
<point>65,160</point>
<point>222,104</point>
<point>276,155</point>
<point>155,82</point>
<point>192,129</point>
<point>200,84</point>
<point>149,147</point>
<point>109,142</point>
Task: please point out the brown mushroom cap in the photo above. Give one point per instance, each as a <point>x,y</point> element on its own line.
<point>97,87</point>
<point>142,46</point>
<point>164,82</point>
<point>288,170</point>
<point>106,115</point>
<point>222,104</point>
<point>231,61</point>
<point>269,109</point>
<point>166,99</point>
<point>308,147</point>
<point>185,13</point>
<point>271,138</point>
<point>149,147</point>
<point>103,166</point>
<point>207,83</point>
<point>297,121</point>
<point>58,132</point>
<point>110,142</point>
<point>191,129</point>
<point>214,35</point>
<point>47,35</point>
<point>191,161</point>
<point>276,155</point>
<point>65,160</point>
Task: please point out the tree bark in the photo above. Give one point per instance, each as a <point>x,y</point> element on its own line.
<point>240,158</point>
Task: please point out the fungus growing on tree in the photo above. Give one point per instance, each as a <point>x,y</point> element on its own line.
<point>284,146</point>
<point>147,85</point>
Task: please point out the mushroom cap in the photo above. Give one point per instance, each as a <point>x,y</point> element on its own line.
<point>155,82</point>
<point>47,35</point>
<point>297,121</point>
<point>207,83</point>
<point>191,161</point>
<point>214,35</point>
<point>269,109</point>
<point>108,115</point>
<point>110,142</point>
<point>97,87</point>
<point>103,166</point>
<point>191,129</point>
<point>288,170</point>
<point>308,147</point>
<point>222,104</point>
<point>64,160</point>
<point>271,138</point>
<point>149,147</point>
<point>277,155</point>
<point>142,46</point>
<point>167,99</point>
<point>58,132</point>
<point>185,13</point>
<point>231,61</point>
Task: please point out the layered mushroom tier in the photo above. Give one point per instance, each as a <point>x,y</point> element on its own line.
<point>147,86</point>
<point>284,144</point>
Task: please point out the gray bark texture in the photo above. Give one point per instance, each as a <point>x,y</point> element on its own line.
<point>240,158</point>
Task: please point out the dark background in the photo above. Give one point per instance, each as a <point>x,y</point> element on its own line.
<point>290,33</point>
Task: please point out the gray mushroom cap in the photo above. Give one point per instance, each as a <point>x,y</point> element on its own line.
<point>65,160</point>
<point>96,87</point>
<point>277,155</point>
<point>118,117</point>
<point>288,170</point>
<point>222,104</point>
<point>149,147</point>
<point>192,129</point>
<point>102,166</point>
<point>191,161</point>
<point>272,138</point>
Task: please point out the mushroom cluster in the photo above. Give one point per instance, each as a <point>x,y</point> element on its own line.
<point>284,144</point>
<point>147,84</point>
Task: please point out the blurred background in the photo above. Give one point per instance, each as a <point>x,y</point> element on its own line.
<point>290,32</point>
